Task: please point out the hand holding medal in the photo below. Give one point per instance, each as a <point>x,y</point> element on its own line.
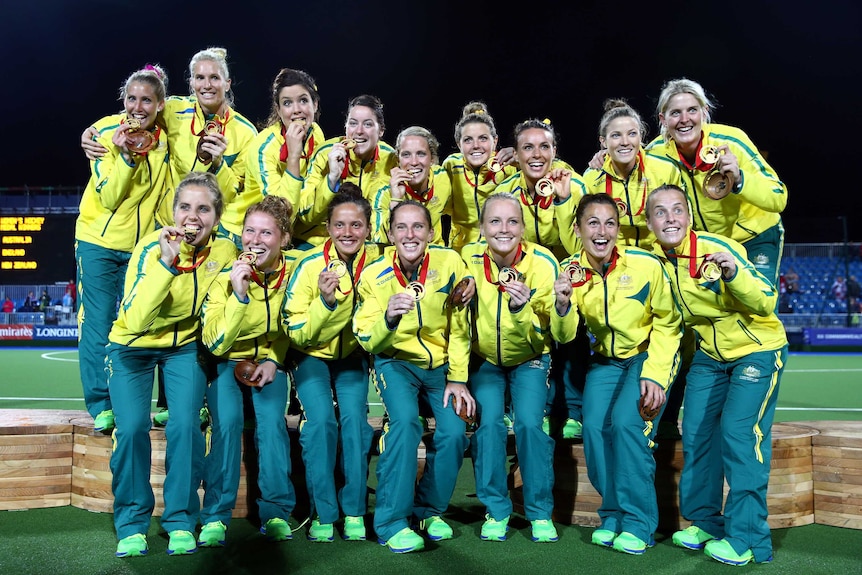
<point>723,174</point>
<point>240,274</point>
<point>211,142</point>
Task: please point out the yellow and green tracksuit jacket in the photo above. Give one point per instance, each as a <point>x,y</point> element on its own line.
<point>649,173</point>
<point>265,173</point>
<point>470,189</point>
<point>500,336</point>
<point>732,318</point>
<point>428,336</point>
<point>120,201</point>
<point>314,328</point>
<point>184,119</point>
<point>548,222</point>
<point>629,310</point>
<point>438,200</point>
<point>161,305</point>
<point>235,329</point>
<point>316,193</point>
<point>752,208</point>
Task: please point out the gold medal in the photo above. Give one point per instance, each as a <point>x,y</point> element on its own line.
<point>507,276</point>
<point>248,257</point>
<point>415,290</point>
<point>348,143</point>
<point>494,164</point>
<point>709,154</point>
<point>134,124</point>
<point>622,207</point>
<point>545,187</point>
<point>710,271</point>
<point>717,185</point>
<point>338,267</point>
<point>212,127</point>
<point>575,272</point>
<point>190,233</point>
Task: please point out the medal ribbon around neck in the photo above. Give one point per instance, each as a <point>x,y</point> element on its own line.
<point>346,171</point>
<point>543,202</point>
<point>355,278</point>
<point>218,120</point>
<point>196,264</point>
<point>263,283</point>
<point>699,164</point>
<point>695,271</point>
<point>609,188</point>
<point>588,272</point>
<point>519,255</point>
<point>421,198</point>
<point>489,176</point>
<point>399,275</point>
<point>308,145</point>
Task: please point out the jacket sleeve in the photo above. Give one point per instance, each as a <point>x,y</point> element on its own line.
<point>148,282</point>
<point>760,185</point>
<point>316,194</point>
<point>662,363</point>
<point>231,174</point>
<point>749,287</point>
<point>222,316</point>
<point>113,174</point>
<point>565,214</point>
<point>458,346</point>
<point>309,321</point>
<point>369,324</point>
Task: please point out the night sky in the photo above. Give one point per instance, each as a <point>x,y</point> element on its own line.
<point>788,76</point>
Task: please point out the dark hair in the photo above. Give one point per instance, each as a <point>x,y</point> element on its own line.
<point>372,102</point>
<point>474,112</point>
<point>349,193</point>
<point>279,208</point>
<point>598,199</point>
<point>537,124</point>
<point>422,207</point>
<point>290,77</point>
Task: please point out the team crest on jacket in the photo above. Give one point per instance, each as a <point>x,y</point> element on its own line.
<point>750,373</point>
<point>761,259</point>
<point>432,276</point>
<point>212,267</point>
<point>625,282</point>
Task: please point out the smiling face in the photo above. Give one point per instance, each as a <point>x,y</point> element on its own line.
<point>476,143</point>
<point>598,227</point>
<point>141,103</point>
<point>195,210</point>
<point>363,127</point>
<point>668,217</point>
<point>210,86</point>
<point>348,229</point>
<point>410,231</point>
<point>503,228</point>
<point>623,140</point>
<point>683,121</point>
<point>261,235</point>
<point>414,155</point>
<point>295,103</point>
<point>535,152</point>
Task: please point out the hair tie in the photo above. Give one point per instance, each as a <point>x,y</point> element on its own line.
<point>155,70</point>
<point>546,121</point>
<point>480,111</point>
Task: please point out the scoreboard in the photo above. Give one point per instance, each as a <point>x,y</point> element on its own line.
<point>37,248</point>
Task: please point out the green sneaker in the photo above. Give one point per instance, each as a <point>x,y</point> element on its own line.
<point>354,528</point>
<point>721,551</point>
<point>104,421</point>
<point>692,538</point>
<point>436,528</point>
<point>132,546</point>
<point>603,537</point>
<point>508,422</point>
<point>573,429</point>
<point>321,532</point>
<point>493,530</point>
<point>160,419</point>
<point>204,416</point>
<point>181,543</point>
<point>277,529</point>
<point>625,542</point>
<point>404,541</point>
<point>546,425</point>
<point>544,531</point>
<point>212,534</point>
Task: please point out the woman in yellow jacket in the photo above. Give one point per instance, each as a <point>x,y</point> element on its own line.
<point>277,160</point>
<point>731,386</point>
<point>117,209</point>
<point>624,296</point>
<point>474,171</point>
<point>628,173</point>
<point>362,157</point>
<point>421,351</point>
<point>241,320</point>
<point>511,357</point>
<point>751,213</point>
<point>418,177</point>
<point>329,368</point>
<point>168,277</point>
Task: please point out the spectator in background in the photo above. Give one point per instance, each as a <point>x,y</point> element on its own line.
<point>44,300</point>
<point>839,289</point>
<point>68,299</point>
<point>791,281</point>
<point>30,304</point>
<point>854,291</point>
<point>8,305</point>
<point>72,290</point>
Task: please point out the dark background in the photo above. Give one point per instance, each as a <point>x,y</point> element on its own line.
<point>787,74</point>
